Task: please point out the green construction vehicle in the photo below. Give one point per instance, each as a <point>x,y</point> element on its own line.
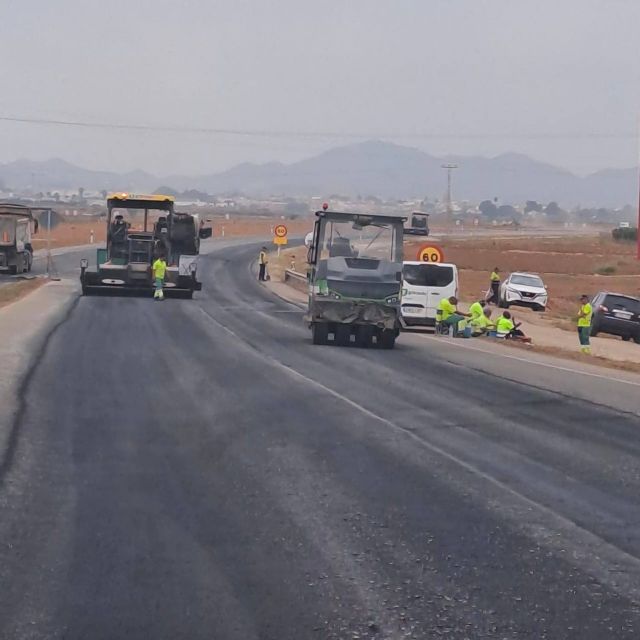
<point>355,279</point>
<point>139,229</point>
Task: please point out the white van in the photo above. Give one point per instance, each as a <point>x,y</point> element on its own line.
<point>424,284</point>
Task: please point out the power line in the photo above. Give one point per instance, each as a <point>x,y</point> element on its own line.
<point>317,134</point>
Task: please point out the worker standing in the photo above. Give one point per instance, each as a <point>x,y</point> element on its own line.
<point>263,260</point>
<point>584,324</point>
<point>159,273</point>
<point>494,286</point>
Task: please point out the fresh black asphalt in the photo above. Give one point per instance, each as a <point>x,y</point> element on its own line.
<point>198,469</point>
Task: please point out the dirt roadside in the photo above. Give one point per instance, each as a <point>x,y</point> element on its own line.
<point>14,291</point>
<point>552,332</point>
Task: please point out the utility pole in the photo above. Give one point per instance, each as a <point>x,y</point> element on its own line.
<point>449,167</point>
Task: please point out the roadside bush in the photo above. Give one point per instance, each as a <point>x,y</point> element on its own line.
<point>625,234</point>
<point>606,270</point>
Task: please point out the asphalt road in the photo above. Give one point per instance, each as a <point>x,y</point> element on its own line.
<point>197,469</point>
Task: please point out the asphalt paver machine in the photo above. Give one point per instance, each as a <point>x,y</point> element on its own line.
<point>355,279</point>
<point>139,229</point>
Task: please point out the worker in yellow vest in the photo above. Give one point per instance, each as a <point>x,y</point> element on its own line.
<point>481,324</point>
<point>449,315</point>
<point>263,261</point>
<point>494,286</point>
<point>584,324</point>
<point>477,309</point>
<point>159,272</point>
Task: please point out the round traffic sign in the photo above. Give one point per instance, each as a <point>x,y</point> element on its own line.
<point>280,231</point>
<point>430,253</point>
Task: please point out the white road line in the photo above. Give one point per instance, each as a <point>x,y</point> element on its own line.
<point>536,362</point>
<point>608,563</point>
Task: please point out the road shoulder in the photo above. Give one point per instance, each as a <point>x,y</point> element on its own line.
<point>25,326</point>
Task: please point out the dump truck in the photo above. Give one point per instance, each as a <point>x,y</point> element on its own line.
<point>355,279</point>
<point>17,225</point>
<point>139,229</point>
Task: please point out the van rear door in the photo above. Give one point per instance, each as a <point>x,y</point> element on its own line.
<point>426,283</point>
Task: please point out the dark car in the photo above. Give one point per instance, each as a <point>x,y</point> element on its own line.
<point>616,314</point>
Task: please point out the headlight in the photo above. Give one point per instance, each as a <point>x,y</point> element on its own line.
<point>391,300</point>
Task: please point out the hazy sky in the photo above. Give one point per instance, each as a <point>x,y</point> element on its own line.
<point>509,68</point>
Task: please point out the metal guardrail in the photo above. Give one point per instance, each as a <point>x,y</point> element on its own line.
<point>296,280</point>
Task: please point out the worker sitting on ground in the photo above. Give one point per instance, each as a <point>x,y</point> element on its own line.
<point>508,328</point>
<point>482,324</point>
<point>449,315</point>
<point>477,308</point>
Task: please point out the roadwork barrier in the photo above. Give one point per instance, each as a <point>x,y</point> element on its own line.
<point>296,280</point>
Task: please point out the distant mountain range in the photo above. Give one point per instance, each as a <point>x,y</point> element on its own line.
<point>368,168</point>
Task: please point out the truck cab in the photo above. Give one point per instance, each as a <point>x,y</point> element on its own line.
<point>418,224</point>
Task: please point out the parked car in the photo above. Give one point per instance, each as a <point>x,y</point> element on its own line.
<point>424,284</point>
<point>524,290</point>
<point>617,315</point>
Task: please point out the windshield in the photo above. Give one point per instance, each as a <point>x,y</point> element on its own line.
<point>134,218</point>
<point>350,240</point>
<point>7,230</point>
<point>419,222</point>
<point>528,281</point>
<point>427,275</point>
<point>622,303</point>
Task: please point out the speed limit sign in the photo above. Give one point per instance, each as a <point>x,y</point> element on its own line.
<point>280,231</point>
<point>430,253</point>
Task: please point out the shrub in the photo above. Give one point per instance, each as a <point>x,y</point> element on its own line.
<point>606,270</point>
<point>625,234</point>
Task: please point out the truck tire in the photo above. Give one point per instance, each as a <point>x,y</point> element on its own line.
<point>387,339</point>
<point>320,332</point>
<point>364,336</point>
<point>343,335</point>
<point>595,328</point>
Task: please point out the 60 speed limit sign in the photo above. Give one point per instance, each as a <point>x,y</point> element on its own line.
<point>280,231</point>
<point>430,253</point>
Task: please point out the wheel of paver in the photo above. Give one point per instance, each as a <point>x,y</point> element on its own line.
<point>387,339</point>
<point>320,332</point>
<point>343,335</point>
<point>364,336</point>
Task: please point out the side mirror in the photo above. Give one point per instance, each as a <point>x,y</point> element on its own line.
<point>205,232</point>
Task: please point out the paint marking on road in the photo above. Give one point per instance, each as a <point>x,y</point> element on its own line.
<point>608,563</point>
<point>536,362</point>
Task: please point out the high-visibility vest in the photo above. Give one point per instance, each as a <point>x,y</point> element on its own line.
<point>585,319</point>
<point>263,257</point>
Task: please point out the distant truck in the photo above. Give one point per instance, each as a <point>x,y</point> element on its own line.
<point>418,224</point>
<point>17,225</point>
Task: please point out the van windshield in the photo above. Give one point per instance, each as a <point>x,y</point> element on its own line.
<point>428,275</point>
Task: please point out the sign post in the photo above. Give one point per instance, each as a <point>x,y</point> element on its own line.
<point>280,236</point>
